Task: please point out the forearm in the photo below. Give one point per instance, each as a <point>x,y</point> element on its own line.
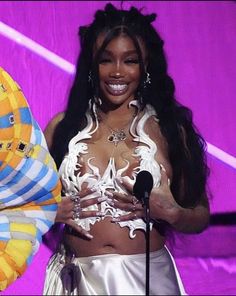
<point>191,220</point>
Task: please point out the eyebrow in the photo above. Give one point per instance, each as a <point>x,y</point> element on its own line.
<point>128,52</point>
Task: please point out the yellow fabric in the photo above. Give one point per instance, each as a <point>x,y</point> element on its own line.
<point>19,249</point>
<point>26,228</point>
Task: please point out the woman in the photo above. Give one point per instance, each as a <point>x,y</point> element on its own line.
<point>122,118</point>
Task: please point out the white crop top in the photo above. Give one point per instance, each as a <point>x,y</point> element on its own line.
<point>72,183</point>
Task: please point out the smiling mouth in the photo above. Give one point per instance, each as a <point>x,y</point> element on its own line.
<point>116,89</point>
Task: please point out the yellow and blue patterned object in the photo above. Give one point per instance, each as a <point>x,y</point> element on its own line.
<point>29,184</point>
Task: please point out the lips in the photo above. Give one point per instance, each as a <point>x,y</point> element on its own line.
<point>116,88</point>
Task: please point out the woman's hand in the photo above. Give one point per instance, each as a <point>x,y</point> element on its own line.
<point>161,202</point>
<point>71,208</point>
<point>125,202</point>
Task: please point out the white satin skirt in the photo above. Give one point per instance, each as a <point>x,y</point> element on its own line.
<point>113,274</point>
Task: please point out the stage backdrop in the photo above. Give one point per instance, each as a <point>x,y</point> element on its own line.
<point>39,48</point>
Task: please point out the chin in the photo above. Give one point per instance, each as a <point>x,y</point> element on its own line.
<point>116,100</point>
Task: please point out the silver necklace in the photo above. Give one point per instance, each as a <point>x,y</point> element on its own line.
<point>118,135</point>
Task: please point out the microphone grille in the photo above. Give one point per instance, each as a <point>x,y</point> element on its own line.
<point>144,183</point>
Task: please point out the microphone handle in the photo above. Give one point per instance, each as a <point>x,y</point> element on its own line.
<point>147,234</point>
<point>145,199</point>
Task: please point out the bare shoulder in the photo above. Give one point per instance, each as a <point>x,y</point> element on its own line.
<point>51,126</point>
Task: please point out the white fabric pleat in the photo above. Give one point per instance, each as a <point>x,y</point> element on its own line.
<point>113,274</point>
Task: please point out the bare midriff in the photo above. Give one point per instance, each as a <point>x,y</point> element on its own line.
<point>110,238</point>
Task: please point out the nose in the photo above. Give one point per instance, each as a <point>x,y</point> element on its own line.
<point>116,71</point>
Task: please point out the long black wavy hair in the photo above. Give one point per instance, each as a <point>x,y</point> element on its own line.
<point>186,147</point>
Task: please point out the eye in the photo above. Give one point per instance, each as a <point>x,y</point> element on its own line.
<point>104,60</point>
<point>132,61</point>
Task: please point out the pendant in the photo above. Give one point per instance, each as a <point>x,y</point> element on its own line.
<point>116,137</point>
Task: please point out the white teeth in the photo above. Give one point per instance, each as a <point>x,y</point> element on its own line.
<point>118,86</point>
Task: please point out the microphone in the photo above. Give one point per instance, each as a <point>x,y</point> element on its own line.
<point>143,185</point>
<point>141,190</point>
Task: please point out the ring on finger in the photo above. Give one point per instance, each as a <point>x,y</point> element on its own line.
<point>134,200</point>
<point>75,198</point>
<point>76,211</point>
<point>77,208</point>
<point>76,215</point>
<point>134,208</point>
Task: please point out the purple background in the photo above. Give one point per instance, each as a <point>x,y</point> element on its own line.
<point>200,43</point>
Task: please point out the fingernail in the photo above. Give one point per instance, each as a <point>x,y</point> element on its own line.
<point>162,167</point>
<point>100,199</point>
<point>119,179</point>
<point>110,202</point>
<point>88,235</point>
<point>115,219</point>
<point>100,214</point>
<point>168,181</point>
<point>109,193</point>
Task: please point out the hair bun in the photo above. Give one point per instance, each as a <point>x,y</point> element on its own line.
<point>100,14</point>
<point>110,8</point>
<point>134,10</point>
<point>151,17</point>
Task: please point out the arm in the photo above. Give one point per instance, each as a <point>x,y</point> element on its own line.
<point>192,220</point>
<point>195,219</point>
<point>186,220</point>
<point>50,128</point>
